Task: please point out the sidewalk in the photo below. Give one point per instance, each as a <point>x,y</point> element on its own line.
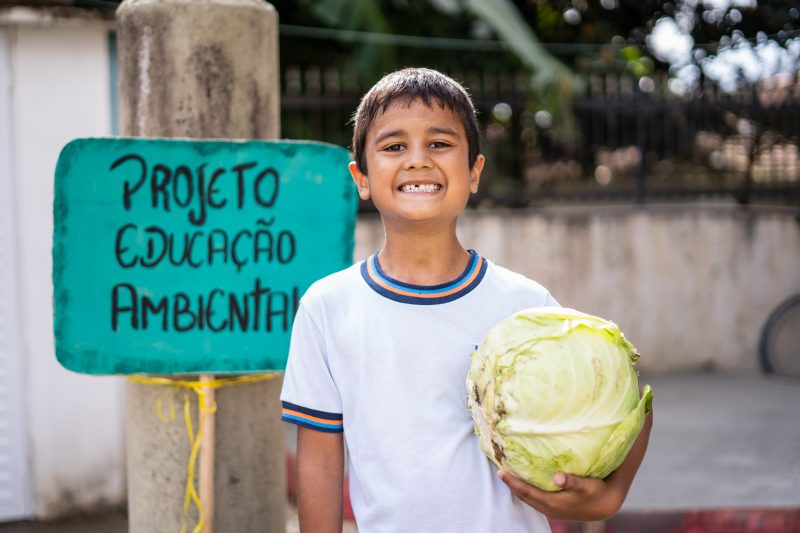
<point>721,440</point>
<point>724,457</point>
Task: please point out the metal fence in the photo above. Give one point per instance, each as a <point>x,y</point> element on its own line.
<point>625,139</point>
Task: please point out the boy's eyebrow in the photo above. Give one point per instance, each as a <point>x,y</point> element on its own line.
<point>387,134</point>
<point>399,132</point>
<point>443,130</point>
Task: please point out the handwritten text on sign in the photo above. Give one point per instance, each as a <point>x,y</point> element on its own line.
<point>191,256</point>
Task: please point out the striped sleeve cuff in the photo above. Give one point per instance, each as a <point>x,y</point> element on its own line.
<point>311,418</point>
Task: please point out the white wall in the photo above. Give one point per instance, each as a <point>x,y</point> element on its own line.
<point>690,285</point>
<point>75,422</point>
<point>14,475</point>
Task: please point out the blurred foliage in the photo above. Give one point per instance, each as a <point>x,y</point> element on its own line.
<point>409,17</point>
<point>586,35</point>
<point>626,24</point>
<point>595,34</point>
<point>544,43</point>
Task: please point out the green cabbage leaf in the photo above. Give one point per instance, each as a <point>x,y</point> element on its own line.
<point>552,390</point>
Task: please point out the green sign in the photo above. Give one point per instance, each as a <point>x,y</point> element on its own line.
<point>178,256</point>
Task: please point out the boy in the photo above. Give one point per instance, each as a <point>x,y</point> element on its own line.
<point>380,351</point>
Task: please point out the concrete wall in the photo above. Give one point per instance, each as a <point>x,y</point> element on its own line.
<point>75,423</point>
<point>690,285</point>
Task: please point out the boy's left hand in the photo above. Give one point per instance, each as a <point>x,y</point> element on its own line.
<point>585,498</point>
<point>582,498</point>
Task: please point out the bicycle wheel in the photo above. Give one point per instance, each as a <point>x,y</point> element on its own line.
<point>779,348</point>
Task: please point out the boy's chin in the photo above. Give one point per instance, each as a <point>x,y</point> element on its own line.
<point>420,218</point>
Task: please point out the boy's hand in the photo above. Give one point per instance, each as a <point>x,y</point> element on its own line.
<point>585,498</point>
<point>582,498</point>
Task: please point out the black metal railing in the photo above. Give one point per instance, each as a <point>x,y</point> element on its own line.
<point>629,140</point>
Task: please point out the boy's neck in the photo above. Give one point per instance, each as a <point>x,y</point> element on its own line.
<point>423,257</point>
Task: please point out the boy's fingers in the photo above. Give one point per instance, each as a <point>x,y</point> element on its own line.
<point>507,478</point>
<point>520,488</point>
<point>572,483</point>
<point>513,483</point>
<point>567,481</point>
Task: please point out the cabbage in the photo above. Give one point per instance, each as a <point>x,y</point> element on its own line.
<point>554,390</point>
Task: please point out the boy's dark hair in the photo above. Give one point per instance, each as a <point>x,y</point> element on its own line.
<point>407,85</point>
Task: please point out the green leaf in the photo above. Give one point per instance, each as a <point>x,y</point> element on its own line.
<point>509,24</point>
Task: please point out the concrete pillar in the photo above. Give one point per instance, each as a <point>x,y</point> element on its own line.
<point>203,69</point>
<point>198,68</point>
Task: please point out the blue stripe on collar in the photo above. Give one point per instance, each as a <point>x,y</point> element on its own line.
<point>403,292</point>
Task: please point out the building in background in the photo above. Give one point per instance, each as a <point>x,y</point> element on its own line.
<point>61,434</point>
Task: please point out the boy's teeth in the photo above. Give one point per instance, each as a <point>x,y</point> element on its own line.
<point>426,187</point>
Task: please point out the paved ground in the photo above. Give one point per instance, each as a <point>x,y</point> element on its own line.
<point>721,440</point>
<point>103,523</point>
<point>117,522</point>
<point>724,455</point>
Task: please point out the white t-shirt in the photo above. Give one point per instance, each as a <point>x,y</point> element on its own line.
<point>386,362</point>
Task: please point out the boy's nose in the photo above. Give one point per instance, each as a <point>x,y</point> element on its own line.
<point>418,157</point>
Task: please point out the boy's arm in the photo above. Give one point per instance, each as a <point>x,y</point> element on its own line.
<point>585,498</point>
<point>320,472</point>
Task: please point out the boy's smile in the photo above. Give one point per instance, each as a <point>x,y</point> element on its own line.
<point>417,164</point>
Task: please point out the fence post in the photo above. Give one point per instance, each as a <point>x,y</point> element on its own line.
<point>203,69</point>
<point>641,143</point>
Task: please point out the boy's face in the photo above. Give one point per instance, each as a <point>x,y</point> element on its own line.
<point>418,163</point>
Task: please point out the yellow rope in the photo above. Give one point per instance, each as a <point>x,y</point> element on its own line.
<point>201,389</point>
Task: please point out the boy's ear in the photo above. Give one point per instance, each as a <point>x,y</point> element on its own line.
<point>360,180</point>
<point>475,173</point>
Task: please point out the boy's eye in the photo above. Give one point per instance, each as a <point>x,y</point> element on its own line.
<point>439,144</point>
<point>394,148</point>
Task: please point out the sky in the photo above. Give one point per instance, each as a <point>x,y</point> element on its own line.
<point>753,59</point>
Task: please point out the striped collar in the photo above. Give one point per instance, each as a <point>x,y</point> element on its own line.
<point>421,294</point>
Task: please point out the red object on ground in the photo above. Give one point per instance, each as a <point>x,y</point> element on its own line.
<point>731,520</point>
<point>291,487</point>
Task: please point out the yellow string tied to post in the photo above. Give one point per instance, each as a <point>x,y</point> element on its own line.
<point>200,388</point>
